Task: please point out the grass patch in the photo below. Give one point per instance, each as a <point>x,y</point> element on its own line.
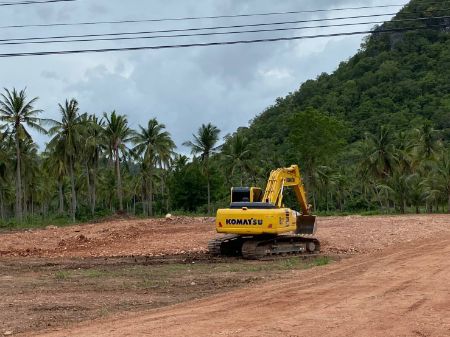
<point>95,273</point>
<point>62,275</point>
<point>320,261</point>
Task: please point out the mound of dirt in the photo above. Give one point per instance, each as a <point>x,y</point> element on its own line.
<point>181,235</point>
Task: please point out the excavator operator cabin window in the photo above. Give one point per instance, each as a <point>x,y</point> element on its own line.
<point>240,194</point>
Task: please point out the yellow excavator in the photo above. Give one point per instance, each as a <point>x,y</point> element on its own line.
<point>256,223</point>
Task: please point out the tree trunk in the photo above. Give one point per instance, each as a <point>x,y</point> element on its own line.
<point>61,196</point>
<point>150,197</point>
<point>119,181</point>
<point>72,183</point>
<point>24,200</point>
<point>209,196</point>
<point>2,209</point>
<point>448,204</point>
<point>150,190</point>
<point>94,191</point>
<point>18,180</point>
<point>89,188</point>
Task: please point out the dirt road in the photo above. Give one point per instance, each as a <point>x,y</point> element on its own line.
<point>402,291</point>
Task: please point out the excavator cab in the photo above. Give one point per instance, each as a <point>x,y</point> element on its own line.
<point>246,194</point>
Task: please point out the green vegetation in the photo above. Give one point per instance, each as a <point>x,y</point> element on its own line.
<point>371,137</point>
<point>141,276</point>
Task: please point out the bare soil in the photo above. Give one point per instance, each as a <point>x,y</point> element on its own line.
<point>181,235</point>
<point>152,277</point>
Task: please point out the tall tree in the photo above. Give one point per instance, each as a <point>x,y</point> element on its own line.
<point>67,138</point>
<point>380,156</point>
<point>237,155</point>
<point>442,170</point>
<point>94,145</point>
<point>205,144</point>
<point>156,146</point>
<point>118,134</point>
<point>18,113</point>
<point>55,164</point>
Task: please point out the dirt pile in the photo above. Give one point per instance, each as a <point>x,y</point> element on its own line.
<point>152,237</point>
<point>180,235</point>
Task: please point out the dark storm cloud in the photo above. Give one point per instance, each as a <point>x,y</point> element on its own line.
<point>183,88</point>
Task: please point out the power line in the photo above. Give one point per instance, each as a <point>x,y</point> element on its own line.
<point>33,2</point>
<point>221,33</point>
<point>176,46</point>
<point>190,18</point>
<point>198,28</point>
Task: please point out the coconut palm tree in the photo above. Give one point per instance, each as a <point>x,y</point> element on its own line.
<point>380,155</point>
<point>94,145</point>
<point>117,133</point>
<point>18,114</point>
<point>67,139</point>
<point>237,157</point>
<point>55,164</point>
<point>156,148</point>
<point>205,144</point>
<point>442,172</point>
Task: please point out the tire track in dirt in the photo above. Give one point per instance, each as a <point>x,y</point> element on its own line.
<point>402,291</point>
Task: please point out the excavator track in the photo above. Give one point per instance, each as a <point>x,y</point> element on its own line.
<point>227,245</point>
<point>281,245</point>
<point>256,248</point>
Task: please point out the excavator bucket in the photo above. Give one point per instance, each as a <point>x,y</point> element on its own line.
<point>306,224</point>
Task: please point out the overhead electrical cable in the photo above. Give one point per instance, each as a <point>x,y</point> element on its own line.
<point>208,44</point>
<point>6,42</point>
<point>201,17</point>
<point>188,18</point>
<point>198,28</point>
<point>33,2</point>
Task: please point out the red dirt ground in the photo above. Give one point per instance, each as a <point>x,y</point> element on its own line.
<point>402,291</point>
<point>396,282</point>
<point>179,235</point>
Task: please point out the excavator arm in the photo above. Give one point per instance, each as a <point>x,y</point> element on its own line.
<point>290,177</point>
<point>286,177</point>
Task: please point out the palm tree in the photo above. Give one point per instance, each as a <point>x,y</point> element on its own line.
<point>427,142</point>
<point>55,165</point>
<point>380,155</point>
<point>237,155</point>
<point>4,168</point>
<point>442,171</point>
<point>156,146</point>
<point>93,148</point>
<point>205,144</point>
<point>118,134</point>
<point>17,113</point>
<point>67,140</point>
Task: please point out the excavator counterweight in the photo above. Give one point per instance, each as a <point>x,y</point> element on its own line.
<point>258,224</point>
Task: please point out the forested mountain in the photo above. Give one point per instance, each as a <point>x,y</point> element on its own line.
<point>394,94</point>
<point>372,136</point>
<point>400,80</point>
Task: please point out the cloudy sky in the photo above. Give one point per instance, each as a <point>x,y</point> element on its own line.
<point>183,88</point>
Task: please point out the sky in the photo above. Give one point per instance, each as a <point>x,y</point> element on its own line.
<point>182,88</point>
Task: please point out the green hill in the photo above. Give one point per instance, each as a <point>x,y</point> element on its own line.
<point>397,86</point>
